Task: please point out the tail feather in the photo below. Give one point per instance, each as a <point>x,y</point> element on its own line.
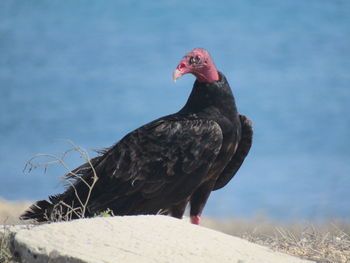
<point>62,205</point>
<point>56,209</point>
<point>40,211</point>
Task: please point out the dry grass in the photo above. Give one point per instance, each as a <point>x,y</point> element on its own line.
<point>5,254</point>
<point>327,242</point>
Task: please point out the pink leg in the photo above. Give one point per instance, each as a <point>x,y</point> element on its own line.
<point>195,220</point>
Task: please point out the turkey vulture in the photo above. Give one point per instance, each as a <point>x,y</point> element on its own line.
<point>169,162</point>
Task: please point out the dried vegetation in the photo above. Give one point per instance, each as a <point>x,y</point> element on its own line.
<point>327,242</point>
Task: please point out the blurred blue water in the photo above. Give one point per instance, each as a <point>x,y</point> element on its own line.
<point>93,72</point>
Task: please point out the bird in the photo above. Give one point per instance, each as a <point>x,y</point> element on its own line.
<point>167,164</point>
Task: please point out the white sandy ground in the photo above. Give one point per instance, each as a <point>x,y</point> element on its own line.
<point>137,239</point>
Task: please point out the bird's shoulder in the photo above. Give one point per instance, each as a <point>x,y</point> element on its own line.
<point>178,125</point>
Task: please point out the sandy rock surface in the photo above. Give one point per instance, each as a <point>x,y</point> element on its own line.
<point>137,239</point>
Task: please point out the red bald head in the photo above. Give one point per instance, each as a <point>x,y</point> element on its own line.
<point>199,63</point>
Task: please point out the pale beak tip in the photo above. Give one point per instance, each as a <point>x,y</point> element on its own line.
<point>176,74</point>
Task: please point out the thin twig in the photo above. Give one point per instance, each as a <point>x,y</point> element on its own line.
<point>79,211</point>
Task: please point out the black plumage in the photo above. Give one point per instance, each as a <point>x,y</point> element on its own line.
<point>163,165</point>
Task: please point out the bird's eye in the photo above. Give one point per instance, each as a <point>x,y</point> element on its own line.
<point>195,60</point>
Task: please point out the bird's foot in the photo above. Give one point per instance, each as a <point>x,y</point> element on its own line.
<point>195,220</point>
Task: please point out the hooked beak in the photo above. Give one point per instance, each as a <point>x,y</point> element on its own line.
<point>176,74</point>
<point>180,70</point>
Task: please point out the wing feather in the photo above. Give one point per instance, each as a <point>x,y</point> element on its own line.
<point>166,158</point>
<point>240,154</point>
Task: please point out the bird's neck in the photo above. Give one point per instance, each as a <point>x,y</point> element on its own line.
<point>209,95</point>
<point>208,76</point>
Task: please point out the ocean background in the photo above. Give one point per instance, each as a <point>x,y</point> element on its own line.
<point>93,71</point>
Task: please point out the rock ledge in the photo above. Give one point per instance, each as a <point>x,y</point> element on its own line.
<point>136,239</point>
